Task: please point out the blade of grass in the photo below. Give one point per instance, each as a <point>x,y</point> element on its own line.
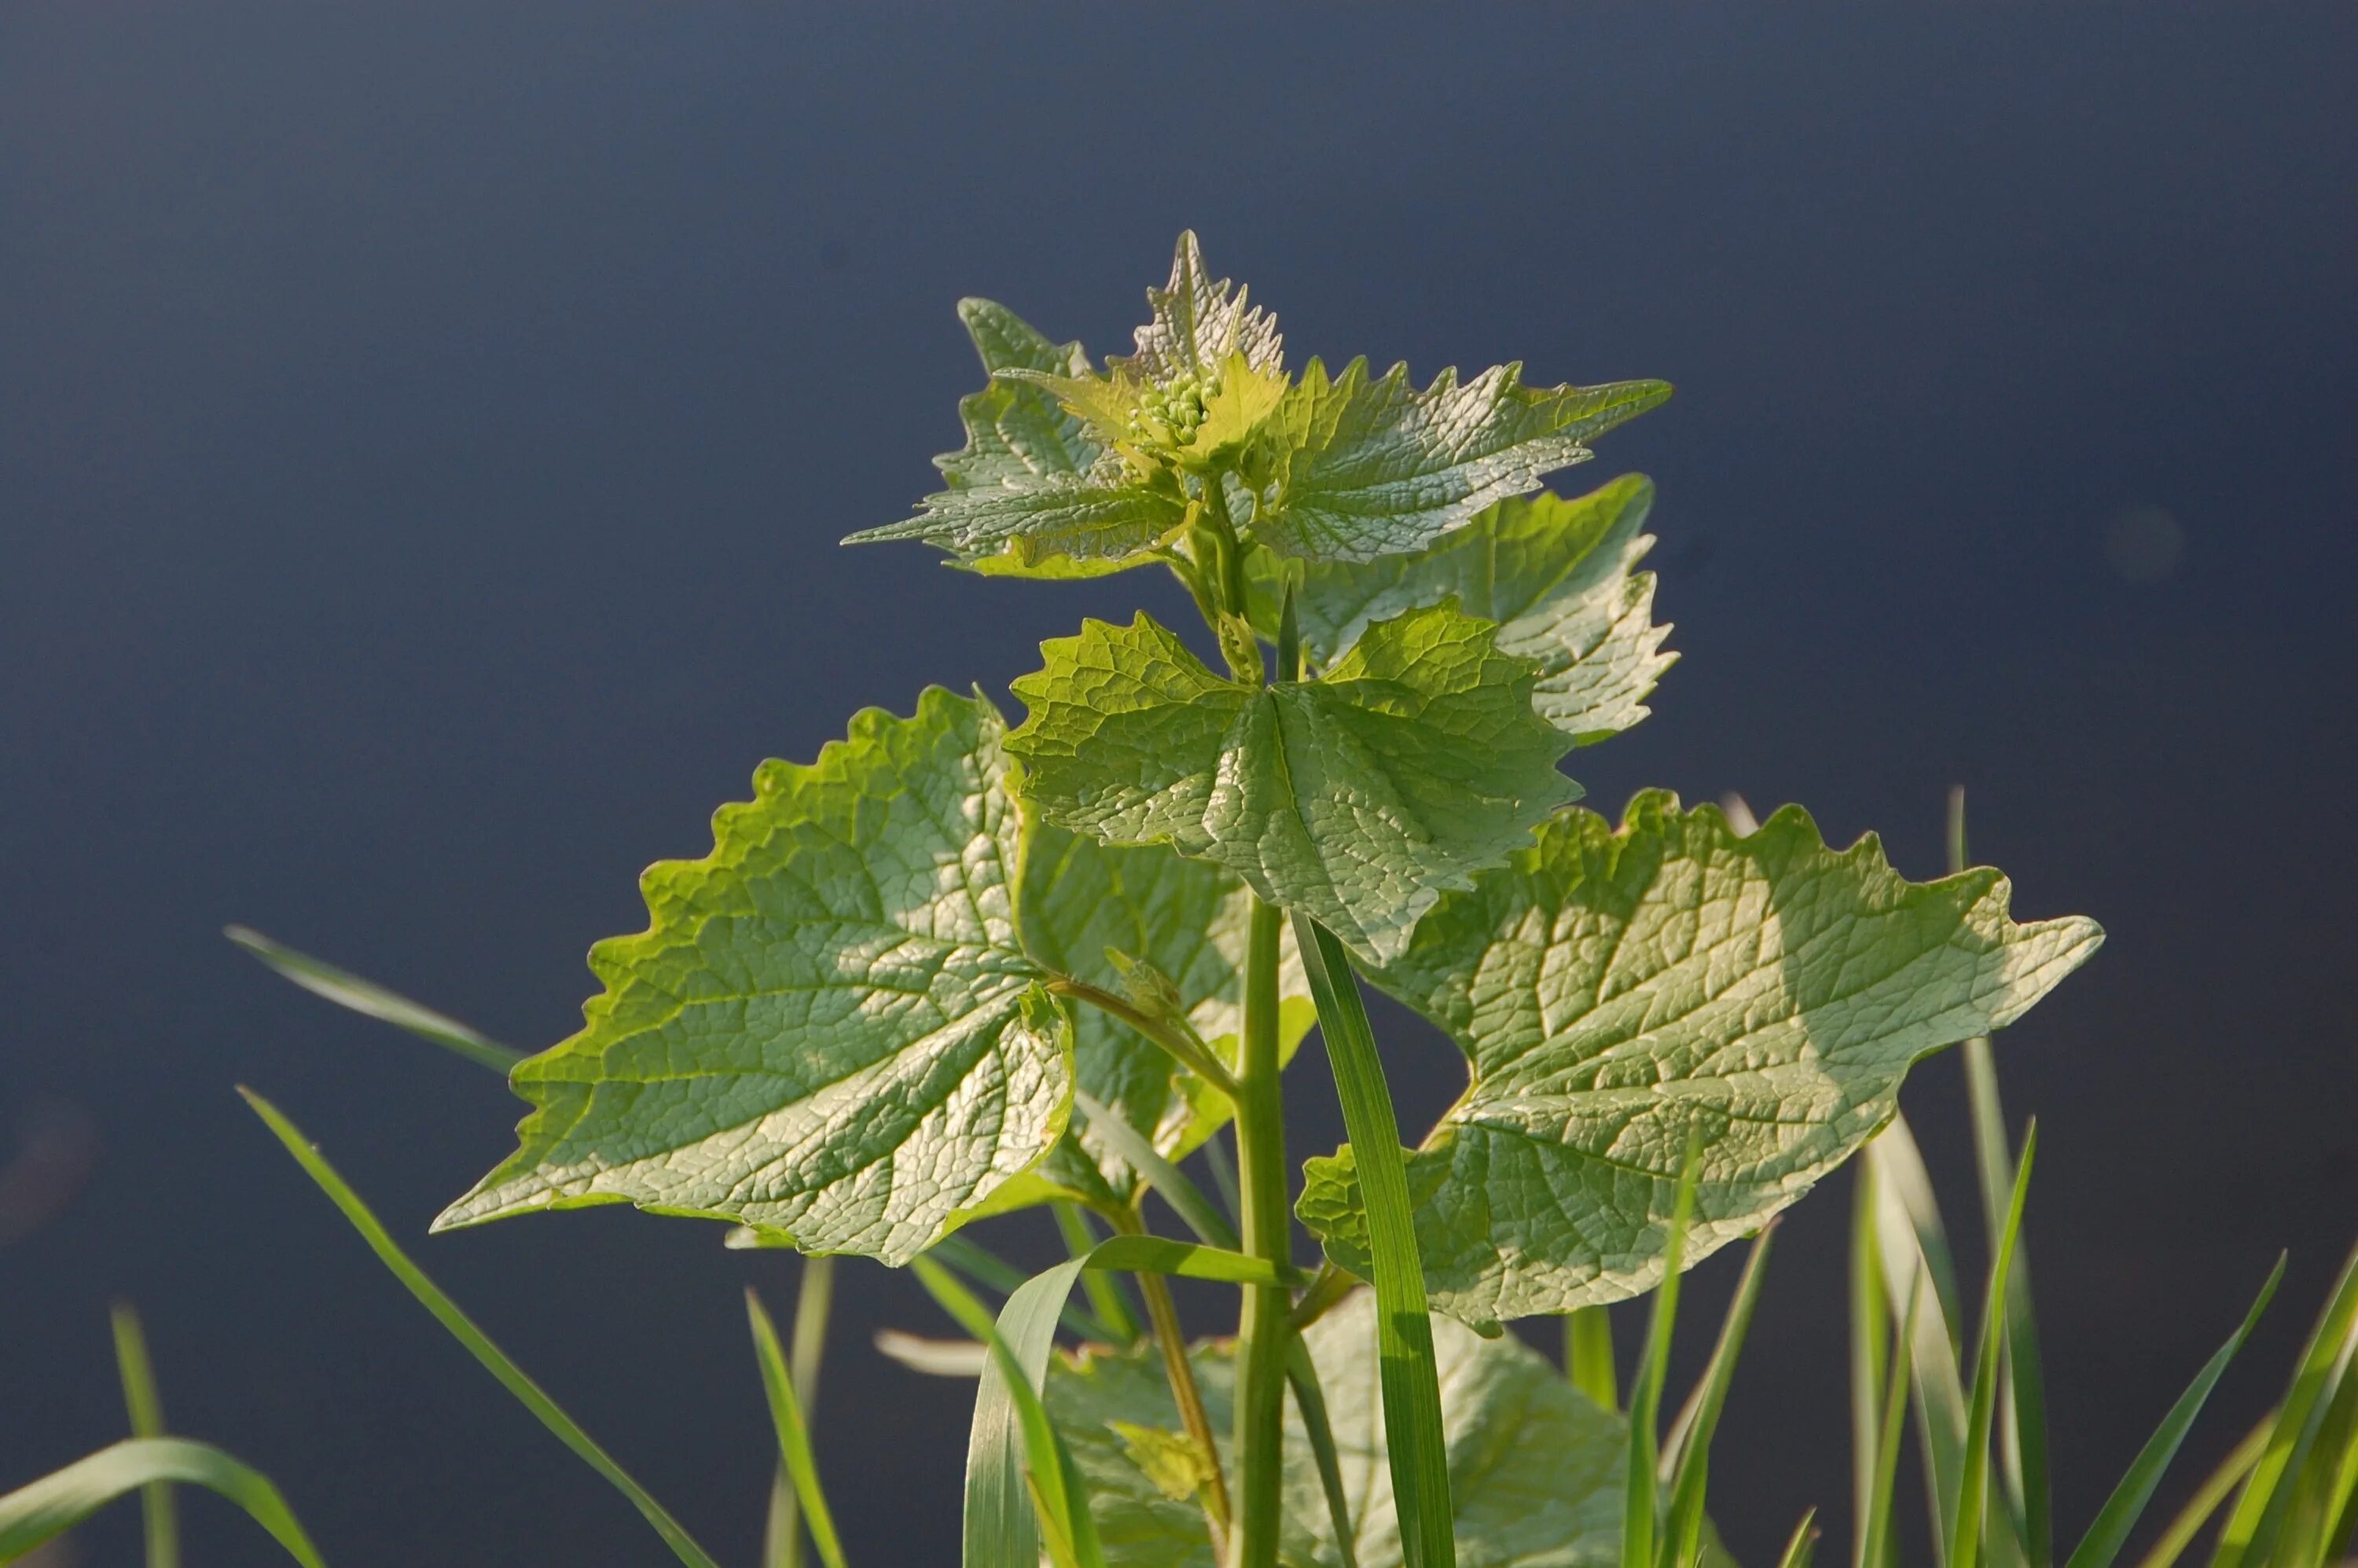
<point>1186,1200</point>
<point>781,1541</point>
<point>1410,1382</point>
<point>1684,1536</point>
<point>1973,1491</point>
<point>1223,1166</point>
<point>49,1507</point>
<point>1870,1329</point>
<point>1020,1479</point>
<point>2022,1410</point>
<point>1104,1289</point>
<point>462,1328</point>
<point>1875,1537</point>
<point>1803,1543</point>
<point>2215,1489</point>
<point>1310,1399</point>
<point>993,1272</point>
<point>1588,1355</point>
<point>1640,1515</point>
<point>1914,1250</point>
<point>933,1357</point>
<point>2250,1525</point>
<point>371,1000</point>
<point>2119,1516</point>
<point>144,1405</point>
<point>793,1433</point>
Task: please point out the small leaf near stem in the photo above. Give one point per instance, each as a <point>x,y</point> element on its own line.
<point>1184,1046</point>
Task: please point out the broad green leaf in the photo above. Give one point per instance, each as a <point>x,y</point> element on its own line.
<point>1534,1467</point>
<point>1080,900</point>
<point>1558,575</point>
<point>41,1510</point>
<point>1015,432</point>
<point>828,1030</point>
<point>1198,325</point>
<point>1356,799</point>
<point>1618,992</point>
<point>1367,466</point>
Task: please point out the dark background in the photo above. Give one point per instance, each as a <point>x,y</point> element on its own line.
<point>424,433</point>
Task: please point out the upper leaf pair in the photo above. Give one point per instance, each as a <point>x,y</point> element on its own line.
<point>1067,472</point>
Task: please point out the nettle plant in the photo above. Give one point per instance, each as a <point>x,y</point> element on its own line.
<point>954,969</point>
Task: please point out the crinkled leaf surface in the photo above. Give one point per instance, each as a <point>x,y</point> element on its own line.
<point>1534,1468</point>
<point>1033,492</point>
<point>1197,324</point>
<point>828,1030</point>
<point>1189,919</point>
<point>1616,991</point>
<point>1370,465</point>
<point>1559,575</point>
<point>1358,798</point>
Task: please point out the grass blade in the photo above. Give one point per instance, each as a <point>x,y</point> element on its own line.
<point>1876,1539</point>
<point>793,1433</point>
<point>2215,1490</point>
<point>478,1343</point>
<point>933,1357</point>
<point>2326,1356</point>
<point>782,1539</point>
<point>2121,1511</point>
<point>1410,1382</point>
<point>145,1406</point>
<point>1870,1331</point>
<point>1684,1535</point>
<point>1223,1166</point>
<point>366,996</point>
<point>1103,1289</point>
<point>1641,1512</point>
<point>1914,1250</point>
<point>56,1502</point>
<point>1804,1545</point>
<point>1310,1399</point>
<point>993,1272</point>
<point>1018,1478</point>
<point>1974,1490</point>
<point>1588,1355</point>
<point>1186,1200</point>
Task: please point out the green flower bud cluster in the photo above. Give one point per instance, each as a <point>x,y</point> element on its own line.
<point>1177,407</point>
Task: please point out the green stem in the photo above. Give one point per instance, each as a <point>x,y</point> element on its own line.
<point>1263,1330</point>
<point>1171,1340</point>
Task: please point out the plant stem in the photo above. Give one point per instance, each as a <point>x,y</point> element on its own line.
<point>1164,1314</point>
<point>1263,1330</point>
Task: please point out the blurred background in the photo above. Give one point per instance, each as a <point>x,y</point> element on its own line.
<point>425,431</point>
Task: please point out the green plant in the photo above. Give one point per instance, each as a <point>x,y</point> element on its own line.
<point>952,970</point>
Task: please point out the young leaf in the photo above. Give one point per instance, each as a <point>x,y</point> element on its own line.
<point>462,1328</point>
<point>1079,903</point>
<point>44,1510</point>
<point>1616,992</point>
<point>829,1031</point>
<point>1558,575</point>
<point>1371,466</point>
<point>1535,1468</point>
<point>1198,325</point>
<point>1356,799</point>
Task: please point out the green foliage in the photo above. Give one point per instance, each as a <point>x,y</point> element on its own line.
<point>1618,993</point>
<point>1357,799</point>
<point>946,971</point>
<point>56,1502</point>
<point>1534,1467</point>
<point>830,1028</point>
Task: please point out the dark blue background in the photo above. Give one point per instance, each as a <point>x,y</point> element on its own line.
<point>424,432</point>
